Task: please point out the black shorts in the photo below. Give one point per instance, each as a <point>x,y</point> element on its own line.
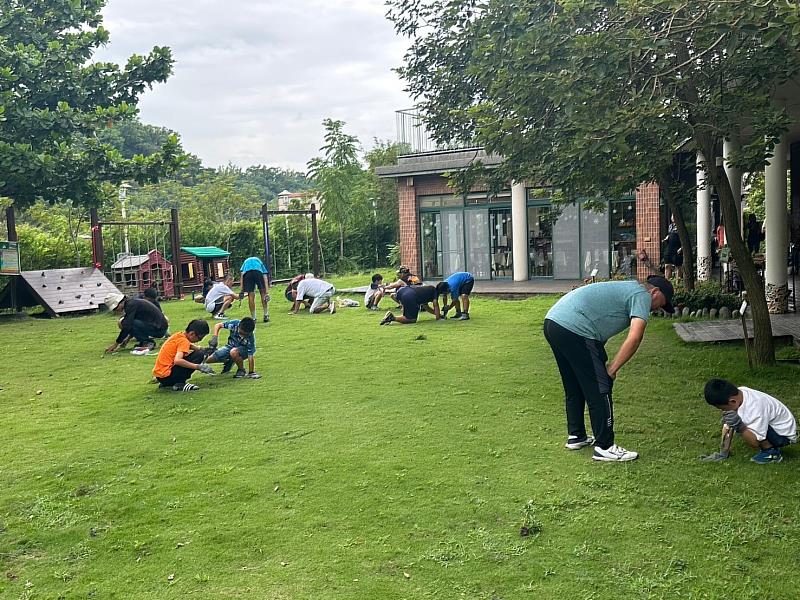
<point>252,279</point>
<point>218,305</point>
<point>408,299</point>
<point>466,288</point>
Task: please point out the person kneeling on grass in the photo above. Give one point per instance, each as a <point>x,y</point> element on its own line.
<point>459,286</point>
<point>320,290</point>
<point>220,297</point>
<point>412,299</point>
<point>764,422</point>
<point>241,344</point>
<point>374,293</point>
<point>142,320</point>
<point>180,357</point>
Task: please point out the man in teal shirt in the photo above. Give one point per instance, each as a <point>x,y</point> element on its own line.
<point>577,328</point>
<point>255,275</point>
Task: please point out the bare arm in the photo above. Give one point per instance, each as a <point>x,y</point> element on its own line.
<point>629,346</point>
<point>182,362</point>
<point>251,363</point>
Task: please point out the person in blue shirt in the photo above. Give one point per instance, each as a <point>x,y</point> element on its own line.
<point>255,275</point>
<point>577,328</point>
<point>459,286</point>
<point>241,344</point>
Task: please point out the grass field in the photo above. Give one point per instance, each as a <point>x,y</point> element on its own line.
<point>380,462</point>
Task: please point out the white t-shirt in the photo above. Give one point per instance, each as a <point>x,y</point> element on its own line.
<point>215,293</point>
<point>311,288</point>
<point>760,411</point>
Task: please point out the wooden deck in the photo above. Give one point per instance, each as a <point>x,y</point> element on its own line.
<point>730,330</point>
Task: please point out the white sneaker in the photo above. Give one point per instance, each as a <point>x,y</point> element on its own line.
<point>332,306</point>
<point>576,443</point>
<point>614,454</point>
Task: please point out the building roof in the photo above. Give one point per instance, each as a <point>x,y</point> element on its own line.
<point>127,262</point>
<point>206,251</point>
<point>440,161</point>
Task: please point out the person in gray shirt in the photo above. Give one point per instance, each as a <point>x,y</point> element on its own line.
<point>577,328</point>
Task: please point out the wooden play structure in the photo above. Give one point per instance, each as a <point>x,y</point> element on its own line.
<point>199,262</point>
<point>135,273</point>
<point>59,291</point>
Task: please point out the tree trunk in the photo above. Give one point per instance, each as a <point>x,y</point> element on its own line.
<point>666,184</point>
<point>341,240</point>
<point>763,344</point>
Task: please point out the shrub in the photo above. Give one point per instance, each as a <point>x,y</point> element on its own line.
<point>707,294</point>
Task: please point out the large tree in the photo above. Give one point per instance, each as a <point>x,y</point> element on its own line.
<point>53,101</point>
<point>597,95</point>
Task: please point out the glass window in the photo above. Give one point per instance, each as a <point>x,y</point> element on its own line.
<point>431,245</point>
<point>478,243</point>
<point>501,241</point>
<point>622,215</point>
<point>540,241</point>
<point>566,239</point>
<point>452,242</point>
<point>594,242</point>
<point>440,200</point>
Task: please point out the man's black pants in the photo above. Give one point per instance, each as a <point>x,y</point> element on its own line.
<point>180,375</point>
<point>582,364</point>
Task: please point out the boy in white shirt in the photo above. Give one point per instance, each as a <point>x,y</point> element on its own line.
<point>220,297</point>
<point>319,290</point>
<point>764,422</point>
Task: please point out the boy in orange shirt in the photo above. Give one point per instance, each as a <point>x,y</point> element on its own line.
<point>179,358</point>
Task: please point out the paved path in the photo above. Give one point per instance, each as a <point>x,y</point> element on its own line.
<point>731,329</point>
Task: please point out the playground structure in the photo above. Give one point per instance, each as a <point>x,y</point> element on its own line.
<point>312,246</point>
<point>135,272</point>
<point>132,274</point>
<point>199,262</point>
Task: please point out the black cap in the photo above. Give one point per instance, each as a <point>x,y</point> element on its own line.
<point>666,288</point>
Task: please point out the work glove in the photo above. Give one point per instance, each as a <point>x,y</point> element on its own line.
<point>213,342</point>
<point>715,457</point>
<point>732,419</point>
<point>204,368</point>
<point>241,294</point>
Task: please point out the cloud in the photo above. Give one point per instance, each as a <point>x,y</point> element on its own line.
<point>254,80</point>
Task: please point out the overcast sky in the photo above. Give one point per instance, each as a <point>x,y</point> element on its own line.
<point>253,79</point>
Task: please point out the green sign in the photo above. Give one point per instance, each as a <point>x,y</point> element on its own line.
<point>9,258</point>
<point>724,255</point>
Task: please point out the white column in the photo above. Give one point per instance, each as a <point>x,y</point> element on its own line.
<point>776,229</point>
<point>519,228</point>
<point>735,179</point>
<point>703,223</point>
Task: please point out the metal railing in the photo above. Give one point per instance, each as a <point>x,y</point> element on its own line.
<point>412,133</point>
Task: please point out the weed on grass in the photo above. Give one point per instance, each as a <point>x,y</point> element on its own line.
<point>422,461</point>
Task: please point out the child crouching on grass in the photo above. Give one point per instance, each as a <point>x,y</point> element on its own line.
<point>241,344</point>
<point>179,358</point>
<point>764,422</point>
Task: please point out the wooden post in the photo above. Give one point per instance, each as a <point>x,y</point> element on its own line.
<point>267,255</point>
<point>314,242</point>
<point>742,311</point>
<point>98,252</point>
<point>175,241</point>
<point>11,224</point>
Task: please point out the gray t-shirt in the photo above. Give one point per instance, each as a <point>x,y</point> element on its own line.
<point>599,311</point>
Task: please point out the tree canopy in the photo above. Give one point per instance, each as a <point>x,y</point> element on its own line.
<point>54,100</point>
<point>598,95</point>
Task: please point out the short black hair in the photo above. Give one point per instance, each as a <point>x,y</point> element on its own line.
<point>151,292</point>
<point>198,326</point>
<point>719,391</point>
<point>247,325</point>
<point>442,288</point>
<point>377,277</point>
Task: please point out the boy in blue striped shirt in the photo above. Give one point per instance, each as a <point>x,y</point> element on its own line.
<point>241,344</point>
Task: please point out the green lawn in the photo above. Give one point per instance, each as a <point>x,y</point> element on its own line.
<point>379,462</point>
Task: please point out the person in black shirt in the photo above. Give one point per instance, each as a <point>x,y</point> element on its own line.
<point>412,299</point>
<point>142,320</point>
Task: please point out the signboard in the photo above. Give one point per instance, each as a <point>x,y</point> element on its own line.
<point>9,258</point>
<point>724,255</point>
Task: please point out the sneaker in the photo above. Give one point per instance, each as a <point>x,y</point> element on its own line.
<point>464,317</point>
<point>220,316</point>
<point>387,318</point>
<point>576,443</point>
<point>614,454</point>
<point>332,306</point>
<point>227,366</point>
<point>140,351</point>
<point>457,315</point>
<point>186,387</point>
<point>240,373</point>
<point>266,318</point>
<point>771,455</point>
<point>374,308</point>
<point>253,375</point>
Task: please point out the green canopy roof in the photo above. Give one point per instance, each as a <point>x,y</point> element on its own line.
<point>205,251</point>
